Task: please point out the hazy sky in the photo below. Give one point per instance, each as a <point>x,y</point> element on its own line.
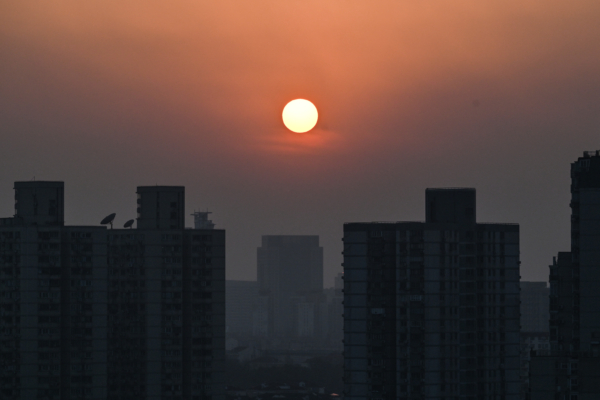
<point>500,95</point>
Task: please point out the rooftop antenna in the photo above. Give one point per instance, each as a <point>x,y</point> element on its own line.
<point>129,223</point>
<point>108,220</point>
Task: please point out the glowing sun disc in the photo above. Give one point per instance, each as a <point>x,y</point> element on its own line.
<point>300,115</point>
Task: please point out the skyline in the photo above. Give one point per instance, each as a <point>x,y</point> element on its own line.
<point>500,96</point>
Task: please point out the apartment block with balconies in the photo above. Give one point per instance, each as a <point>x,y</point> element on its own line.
<point>431,309</point>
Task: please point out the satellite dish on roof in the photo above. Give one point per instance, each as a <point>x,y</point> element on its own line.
<point>129,223</point>
<point>108,220</point>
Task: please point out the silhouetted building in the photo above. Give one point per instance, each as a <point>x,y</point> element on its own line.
<point>52,300</point>
<point>241,298</point>
<point>334,320</point>
<point>535,325</point>
<point>160,207</point>
<point>290,280</point>
<point>431,310</point>
<point>585,251</point>
<point>166,300</point>
<point>39,203</point>
<point>571,370</point>
<point>564,377</point>
<point>94,313</point>
<point>260,317</point>
<point>535,310</point>
<point>562,303</point>
<point>531,343</point>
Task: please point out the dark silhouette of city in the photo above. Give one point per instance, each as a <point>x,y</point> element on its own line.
<point>118,313</point>
<point>423,310</point>
<point>267,200</point>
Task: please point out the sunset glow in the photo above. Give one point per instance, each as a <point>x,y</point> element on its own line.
<point>409,94</point>
<point>300,115</point>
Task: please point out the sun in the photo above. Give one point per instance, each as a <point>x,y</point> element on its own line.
<point>300,115</point>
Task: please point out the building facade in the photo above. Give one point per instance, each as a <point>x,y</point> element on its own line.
<point>334,320</point>
<point>570,369</point>
<point>585,251</point>
<point>535,307</point>
<point>91,313</point>
<point>241,300</point>
<point>535,325</point>
<point>290,283</point>
<point>431,310</point>
<point>531,343</point>
<point>562,303</point>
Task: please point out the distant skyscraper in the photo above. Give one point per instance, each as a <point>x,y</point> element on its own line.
<point>241,298</point>
<point>571,370</point>
<point>290,280</point>
<point>91,313</point>
<point>535,324</point>
<point>431,310</point>
<point>535,311</point>
<point>334,320</point>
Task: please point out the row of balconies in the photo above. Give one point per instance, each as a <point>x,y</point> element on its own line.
<point>10,259</point>
<point>10,235</point>
<point>9,272</point>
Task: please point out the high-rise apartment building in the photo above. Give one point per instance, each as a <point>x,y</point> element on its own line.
<point>571,370</point>
<point>160,207</point>
<point>431,309</point>
<point>535,310</point>
<point>585,252</point>
<point>562,303</point>
<point>39,203</point>
<point>53,320</point>
<point>241,298</point>
<point>290,283</point>
<point>91,313</point>
<point>166,298</point>
<point>535,325</point>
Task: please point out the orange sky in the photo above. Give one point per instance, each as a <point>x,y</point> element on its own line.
<point>499,95</point>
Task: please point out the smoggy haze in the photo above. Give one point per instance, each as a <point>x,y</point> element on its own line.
<point>496,95</point>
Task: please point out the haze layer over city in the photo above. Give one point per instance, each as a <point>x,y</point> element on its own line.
<point>496,95</point>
